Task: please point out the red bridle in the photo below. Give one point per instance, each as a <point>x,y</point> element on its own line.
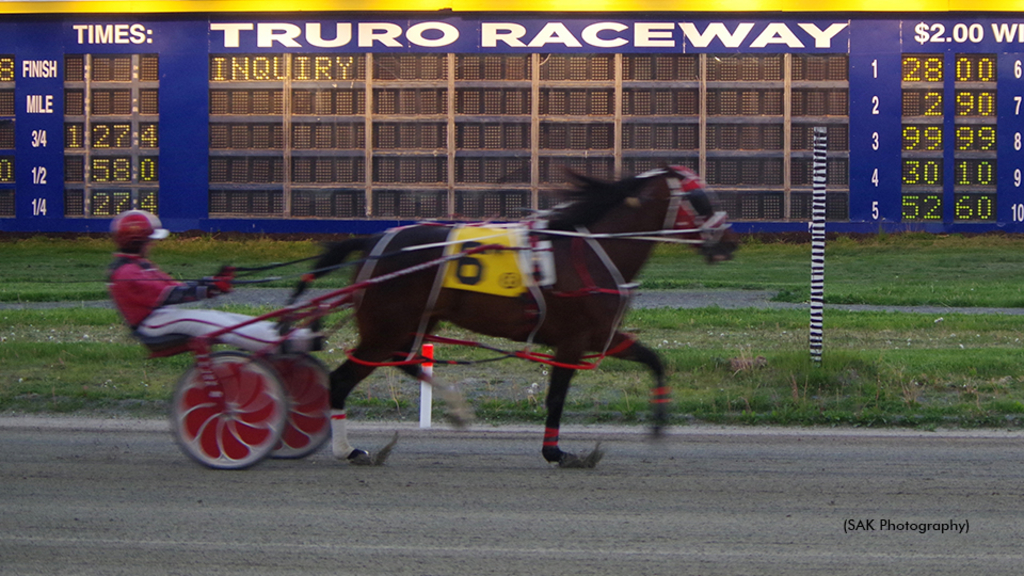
<point>682,217</point>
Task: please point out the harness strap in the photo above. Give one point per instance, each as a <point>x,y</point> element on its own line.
<point>435,292</point>
<point>620,283</point>
<point>579,259</point>
<point>675,198</point>
<point>526,266</point>
<point>589,286</point>
<point>583,365</point>
<point>522,354</point>
<point>406,362</point>
<point>588,291</point>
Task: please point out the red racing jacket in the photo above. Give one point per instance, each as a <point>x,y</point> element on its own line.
<point>138,288</point>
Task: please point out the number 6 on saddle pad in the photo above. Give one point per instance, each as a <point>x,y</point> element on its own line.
<point>499,272</point>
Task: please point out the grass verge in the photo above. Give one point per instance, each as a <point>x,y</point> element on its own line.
<point>906,269</point>
<point>747,366</point>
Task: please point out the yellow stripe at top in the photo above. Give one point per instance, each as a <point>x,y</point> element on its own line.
<point>505,6</point>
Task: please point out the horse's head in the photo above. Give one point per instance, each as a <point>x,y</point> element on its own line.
<point>692,216</point>
<point>669,203</point>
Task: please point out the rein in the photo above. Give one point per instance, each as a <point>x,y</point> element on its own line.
<point>274,265</point>
<point>247,270</point>
<point>712,225</point>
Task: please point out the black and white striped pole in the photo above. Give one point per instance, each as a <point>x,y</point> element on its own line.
<point>820,172</point>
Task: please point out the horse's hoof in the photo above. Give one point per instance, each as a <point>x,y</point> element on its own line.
<point>591,460</point>
<point>382,455</point>
<point>588,461</point>
<point>569,460</point>
<point>359,458</point>
<point>461,419</point>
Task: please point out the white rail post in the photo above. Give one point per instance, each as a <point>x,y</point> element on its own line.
<point>820,180</point>
<point>426,390</point>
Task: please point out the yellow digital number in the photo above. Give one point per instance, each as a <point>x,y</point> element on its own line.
<point>74,135</point>
<point>6,68</point>
<point>975,103</point>
<point>6,169</point>
<point>919,68</point>
<point>974,207</point>
<point>933,104</point>
<point>149,136</point>
<point>916,137</point>
<point>975,172</point>
<point>148,201</point>
<point>122,201</point>
<point>918,172</point>
<point>975,138</point>
<point>101,136</point>
<point>922,207</point>
<point>101,204</point>
<point>111,169</point>
<point>987,137</point>
<point>979,68</point>
<point>148,169</point>
<point>122,135</point>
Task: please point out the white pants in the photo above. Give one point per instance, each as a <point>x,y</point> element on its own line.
<point>200,322</point>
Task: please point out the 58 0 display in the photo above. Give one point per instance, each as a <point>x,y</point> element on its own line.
<point>340,124</point>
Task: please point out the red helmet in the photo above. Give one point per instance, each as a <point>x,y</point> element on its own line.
<point>135,227</point>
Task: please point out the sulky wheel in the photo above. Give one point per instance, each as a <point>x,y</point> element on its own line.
<point>308,424</point>
<point>234,421</point>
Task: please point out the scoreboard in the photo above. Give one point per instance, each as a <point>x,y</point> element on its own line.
<point>973,137</point>
<point>351,122</point>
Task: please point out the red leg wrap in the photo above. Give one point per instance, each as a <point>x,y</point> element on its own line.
<point>660,395</point>
<point>550,437</point>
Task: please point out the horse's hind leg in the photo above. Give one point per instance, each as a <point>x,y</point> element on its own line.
<point>459,412</point>
<point>376,346</point>
<point>660,395</point>
<point>343,380</point>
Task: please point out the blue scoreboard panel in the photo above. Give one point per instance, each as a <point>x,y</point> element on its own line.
<point>340,122</point>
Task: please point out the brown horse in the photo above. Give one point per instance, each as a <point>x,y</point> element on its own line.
<point>598,243</point>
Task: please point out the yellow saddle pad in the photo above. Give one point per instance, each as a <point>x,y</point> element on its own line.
<point>497,272</point>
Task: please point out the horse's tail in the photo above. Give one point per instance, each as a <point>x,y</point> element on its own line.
<point>333,256</point>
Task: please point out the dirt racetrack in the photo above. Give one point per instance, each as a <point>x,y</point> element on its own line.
<point>117,497</point>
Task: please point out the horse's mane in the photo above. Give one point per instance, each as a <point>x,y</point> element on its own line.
<point>591,199</point>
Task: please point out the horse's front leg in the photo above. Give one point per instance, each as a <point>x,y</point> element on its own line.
<point>555,402</point>
<point>557,392</point>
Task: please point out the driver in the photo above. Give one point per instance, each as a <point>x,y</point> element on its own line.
<point>147,297</point>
